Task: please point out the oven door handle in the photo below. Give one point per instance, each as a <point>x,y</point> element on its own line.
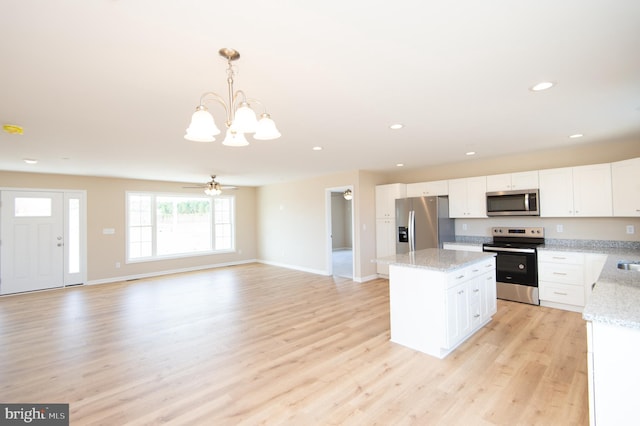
<point>510,249</point>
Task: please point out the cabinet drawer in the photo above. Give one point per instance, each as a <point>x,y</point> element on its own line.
<point>561,273</point>
<point>560,257</point>
<point>459,276</point>
<point>561,293</point>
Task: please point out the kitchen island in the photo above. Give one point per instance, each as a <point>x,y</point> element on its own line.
<point>439,298</point>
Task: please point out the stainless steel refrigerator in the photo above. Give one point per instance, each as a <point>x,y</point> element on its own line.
<point>423,222</point>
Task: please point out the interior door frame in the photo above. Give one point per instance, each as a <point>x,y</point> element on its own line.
<point>329,245</point>
<point>67,194</point>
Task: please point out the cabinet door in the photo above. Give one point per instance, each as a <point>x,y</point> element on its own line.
<point>458,320</point>
<point>625,181</point>
<point>457,198</point>
<point>499,182</point>
<point>556,192</point>
<point>592,190</point>
<point>428,189</point>
<point>489,296</point>
<point>525,180</point>
<point>385,242</point>
<point>386,196</point>
<point>477,197</point>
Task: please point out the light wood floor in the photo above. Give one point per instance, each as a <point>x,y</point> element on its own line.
<point>258,344</point>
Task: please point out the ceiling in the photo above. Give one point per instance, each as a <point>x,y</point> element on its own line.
<point>107,87</point>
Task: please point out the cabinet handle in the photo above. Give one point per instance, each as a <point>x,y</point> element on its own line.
<point>475,290</point>
<point>559,293</point>
<point>476,315</point>
<point>559,273</point>
<point>461,292</point>
<point>475,270</point>
<point>558,257</point>
<point>459,277</point>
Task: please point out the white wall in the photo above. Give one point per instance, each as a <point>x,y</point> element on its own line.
<point>293,226</point>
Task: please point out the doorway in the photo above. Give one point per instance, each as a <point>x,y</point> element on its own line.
<point>340,217</point>
<point>43,236</point>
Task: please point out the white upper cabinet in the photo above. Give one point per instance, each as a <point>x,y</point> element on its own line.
<point>625,178</point>
<point>468,197</point>
<point>386,196</point>
<point>512,181</point>
<point>428,189</point>
<point>583,191</point>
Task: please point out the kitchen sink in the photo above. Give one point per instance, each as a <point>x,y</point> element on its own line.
<point>629,265</point>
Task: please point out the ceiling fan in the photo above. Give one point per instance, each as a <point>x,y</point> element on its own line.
<point>212,187</point>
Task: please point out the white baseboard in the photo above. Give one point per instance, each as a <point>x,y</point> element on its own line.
<point>167,272</point>
<point>295,267</point>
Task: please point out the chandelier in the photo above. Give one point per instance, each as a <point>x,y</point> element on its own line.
<point>240,118</point>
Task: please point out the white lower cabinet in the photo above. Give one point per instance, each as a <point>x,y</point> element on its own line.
<point>612,361</point>
<point>435,311</point>
<point>565,278</point>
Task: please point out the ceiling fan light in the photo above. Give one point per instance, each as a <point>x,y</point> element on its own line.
<point>348,195</point>
<point>234,138</point>
<point>266,129</point>
<point>202,127</point>
<point>245,120</point>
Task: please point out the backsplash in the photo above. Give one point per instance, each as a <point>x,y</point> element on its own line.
<point>564,228</point>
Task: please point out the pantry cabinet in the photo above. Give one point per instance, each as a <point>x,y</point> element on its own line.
<point>386,196</point>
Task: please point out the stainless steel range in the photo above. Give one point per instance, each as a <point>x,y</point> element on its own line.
<point>516,262</point>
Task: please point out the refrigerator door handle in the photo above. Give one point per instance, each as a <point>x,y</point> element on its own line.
<point>412,235</point>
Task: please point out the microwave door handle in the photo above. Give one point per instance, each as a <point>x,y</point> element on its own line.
<point>526,202</point>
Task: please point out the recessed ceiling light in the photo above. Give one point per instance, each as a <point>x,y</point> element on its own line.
<point>30,161</point>
<point>396,126</point>
<point>470,153</point>
<point>543,85</point>
<point>400,165</point>
<point>317,148</point>
<point>576,136</point>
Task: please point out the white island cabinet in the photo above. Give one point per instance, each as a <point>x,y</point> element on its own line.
<point>439,298</point>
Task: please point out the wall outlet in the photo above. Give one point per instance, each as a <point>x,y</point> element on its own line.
<point>117,265</point>
<point>631,229</point>
<point>464,227</point>
<point>559,228</point>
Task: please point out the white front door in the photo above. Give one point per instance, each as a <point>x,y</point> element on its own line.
<point>32,241</point>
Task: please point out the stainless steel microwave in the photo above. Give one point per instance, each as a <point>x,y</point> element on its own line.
<point>525,202</point>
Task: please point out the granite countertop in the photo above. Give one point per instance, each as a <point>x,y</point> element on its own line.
<point>436,259</point>
<point>616,296</point>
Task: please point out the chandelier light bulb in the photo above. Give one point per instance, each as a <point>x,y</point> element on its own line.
<point>266,129</point>
<point>234,138</point>
<point>202,127</point>
<point>245,120</point>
